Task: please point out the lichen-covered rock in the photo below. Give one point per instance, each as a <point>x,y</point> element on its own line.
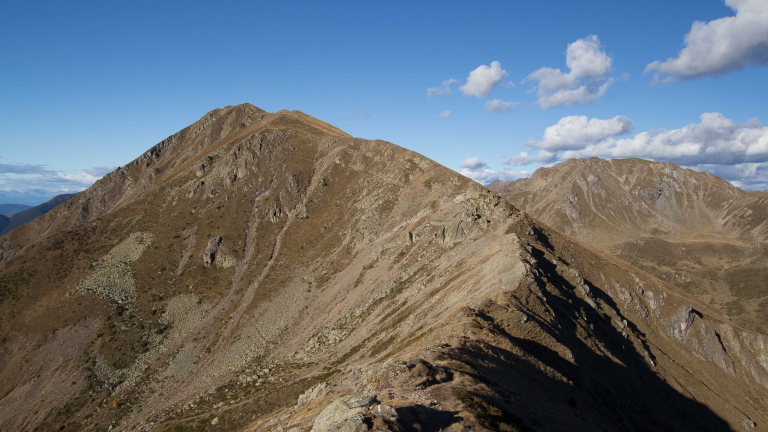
<point>386,412</point>
<point>345,414</point>
<point>758,344</point>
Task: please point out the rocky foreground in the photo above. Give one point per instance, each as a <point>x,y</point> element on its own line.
<point>266,271</point>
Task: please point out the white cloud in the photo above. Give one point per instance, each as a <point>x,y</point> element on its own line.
<point>499,106</point>
<point>736,151</point>
<point>748,176</point>
<point>573,131</point>
<point>473,163</point>
<point>587,79</point>
<point>81,178</point>
<point>481,81</point>
<point>720,46</point>
<point>445,114</point>
<point>525,158</point>
<point>100,171</point>
<point>479,171</point>
<point>443,89</point>
<point>23,169</point>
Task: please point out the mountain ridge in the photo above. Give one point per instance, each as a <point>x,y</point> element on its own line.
<point>8,223</point>
<point>244,278</point>
<point>690,228</point>
<point>10,209</point>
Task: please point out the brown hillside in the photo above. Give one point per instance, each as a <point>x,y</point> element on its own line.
<point>253,268</point>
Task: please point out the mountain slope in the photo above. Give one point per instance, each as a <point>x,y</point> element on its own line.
<point>262,257</point>
<point>690,228</point>
<point>605,201</point>
<point>9,209</point>
<point>31,213</point>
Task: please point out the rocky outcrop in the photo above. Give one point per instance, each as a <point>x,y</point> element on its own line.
<point>312,393</point>
<point>736,349</point>
<point>679,324</point>
<point>705,340</point>
<point>273,213</point>
<point>215,254</point>
<point>695,332</point>
<point>352,414</point>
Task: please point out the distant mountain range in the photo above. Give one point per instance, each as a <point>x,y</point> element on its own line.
<point>27,213</point>
<point>31,197</point>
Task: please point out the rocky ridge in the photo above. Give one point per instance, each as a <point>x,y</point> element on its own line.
<point>354,268</point>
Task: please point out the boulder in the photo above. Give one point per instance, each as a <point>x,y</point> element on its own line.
<point>345,414</point>
<point>386,412</point>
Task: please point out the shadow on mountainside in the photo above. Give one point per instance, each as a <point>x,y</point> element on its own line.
<point>591,392</point>
<point>425,419</point>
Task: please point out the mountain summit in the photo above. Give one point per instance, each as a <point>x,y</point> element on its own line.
<point>267,271</point>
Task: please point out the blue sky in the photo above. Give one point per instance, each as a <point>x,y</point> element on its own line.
<point>88,85</point>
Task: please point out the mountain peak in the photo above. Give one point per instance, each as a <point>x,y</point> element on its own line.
<point>266,271</point>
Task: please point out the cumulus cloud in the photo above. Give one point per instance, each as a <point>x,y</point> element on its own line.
<point>481,81</point>
<point>720,46</point>
<point>587,79</point>
<point>445,114</point>
<point>716,141</point>
<point>573,132</point>
<point>443,89</point>
<point>748,176</point>
<point>499,106</point>
<point>473,163</point>
<point>479,171</point>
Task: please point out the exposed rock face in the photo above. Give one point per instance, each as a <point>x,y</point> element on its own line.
<point>215,253</point>
<point>681,322</point>
<point>708,343</point>
<point>406,281</point>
